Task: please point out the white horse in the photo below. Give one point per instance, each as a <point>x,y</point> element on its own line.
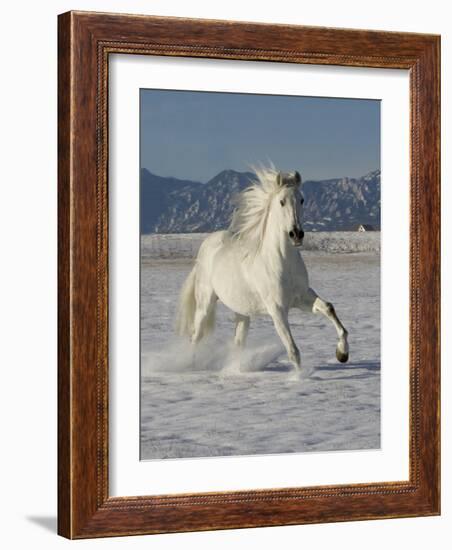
<point>255,267</point>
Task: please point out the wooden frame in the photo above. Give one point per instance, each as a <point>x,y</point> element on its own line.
<point>84,44</point>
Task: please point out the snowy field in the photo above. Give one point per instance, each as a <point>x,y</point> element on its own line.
<point>186,245</point>
<point>197,405</point>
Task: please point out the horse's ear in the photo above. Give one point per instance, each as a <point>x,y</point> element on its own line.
<point>297,178</point>
<point>279,179</point>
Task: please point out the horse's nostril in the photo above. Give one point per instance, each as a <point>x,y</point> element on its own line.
<point>291,234</point>
<point>301,234</point>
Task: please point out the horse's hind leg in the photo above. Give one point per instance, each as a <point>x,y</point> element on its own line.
<point>234,363</point>
<point>326,308</point>
<point>242,324</point>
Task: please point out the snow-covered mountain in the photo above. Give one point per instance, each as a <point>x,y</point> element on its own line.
<point>170,205</point>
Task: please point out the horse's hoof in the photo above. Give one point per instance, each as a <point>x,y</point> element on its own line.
<point>341,356</point>
<point>295,375</point>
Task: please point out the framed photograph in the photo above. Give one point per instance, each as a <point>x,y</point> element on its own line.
<point>249,262</point>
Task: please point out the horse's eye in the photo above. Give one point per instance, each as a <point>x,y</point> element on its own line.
<point>302,200</point>
<point>282,202</point>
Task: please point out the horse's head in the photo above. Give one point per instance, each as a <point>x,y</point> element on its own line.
<point>287,206</point>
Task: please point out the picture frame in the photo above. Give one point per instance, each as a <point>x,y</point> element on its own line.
<point>85,42</point>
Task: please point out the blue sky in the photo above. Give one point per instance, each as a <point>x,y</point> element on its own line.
<point>196,135</point>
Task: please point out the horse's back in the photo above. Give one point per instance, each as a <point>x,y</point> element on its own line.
<point>207,252</point>
<point>212,244</point>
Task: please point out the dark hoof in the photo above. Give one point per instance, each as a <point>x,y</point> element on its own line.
<point>341,357</point>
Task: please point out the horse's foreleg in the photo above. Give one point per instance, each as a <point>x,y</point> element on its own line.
<point>242,324</point>
<point>281,321</point>
<point>204,320</point>
<point>327,309</point>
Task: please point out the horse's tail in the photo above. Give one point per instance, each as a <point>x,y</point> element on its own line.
<point>187,306</point>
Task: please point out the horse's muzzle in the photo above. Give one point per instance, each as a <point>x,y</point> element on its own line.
<point>297,236</point>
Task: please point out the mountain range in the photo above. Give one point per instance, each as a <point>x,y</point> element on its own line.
<point>171,205</point>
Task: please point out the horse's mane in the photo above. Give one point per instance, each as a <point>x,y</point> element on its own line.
<point>249,218</point>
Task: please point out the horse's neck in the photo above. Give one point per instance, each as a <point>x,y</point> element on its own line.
<point>278,247</point>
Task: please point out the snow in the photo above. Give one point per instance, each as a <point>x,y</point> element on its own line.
<point>217,402</point>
